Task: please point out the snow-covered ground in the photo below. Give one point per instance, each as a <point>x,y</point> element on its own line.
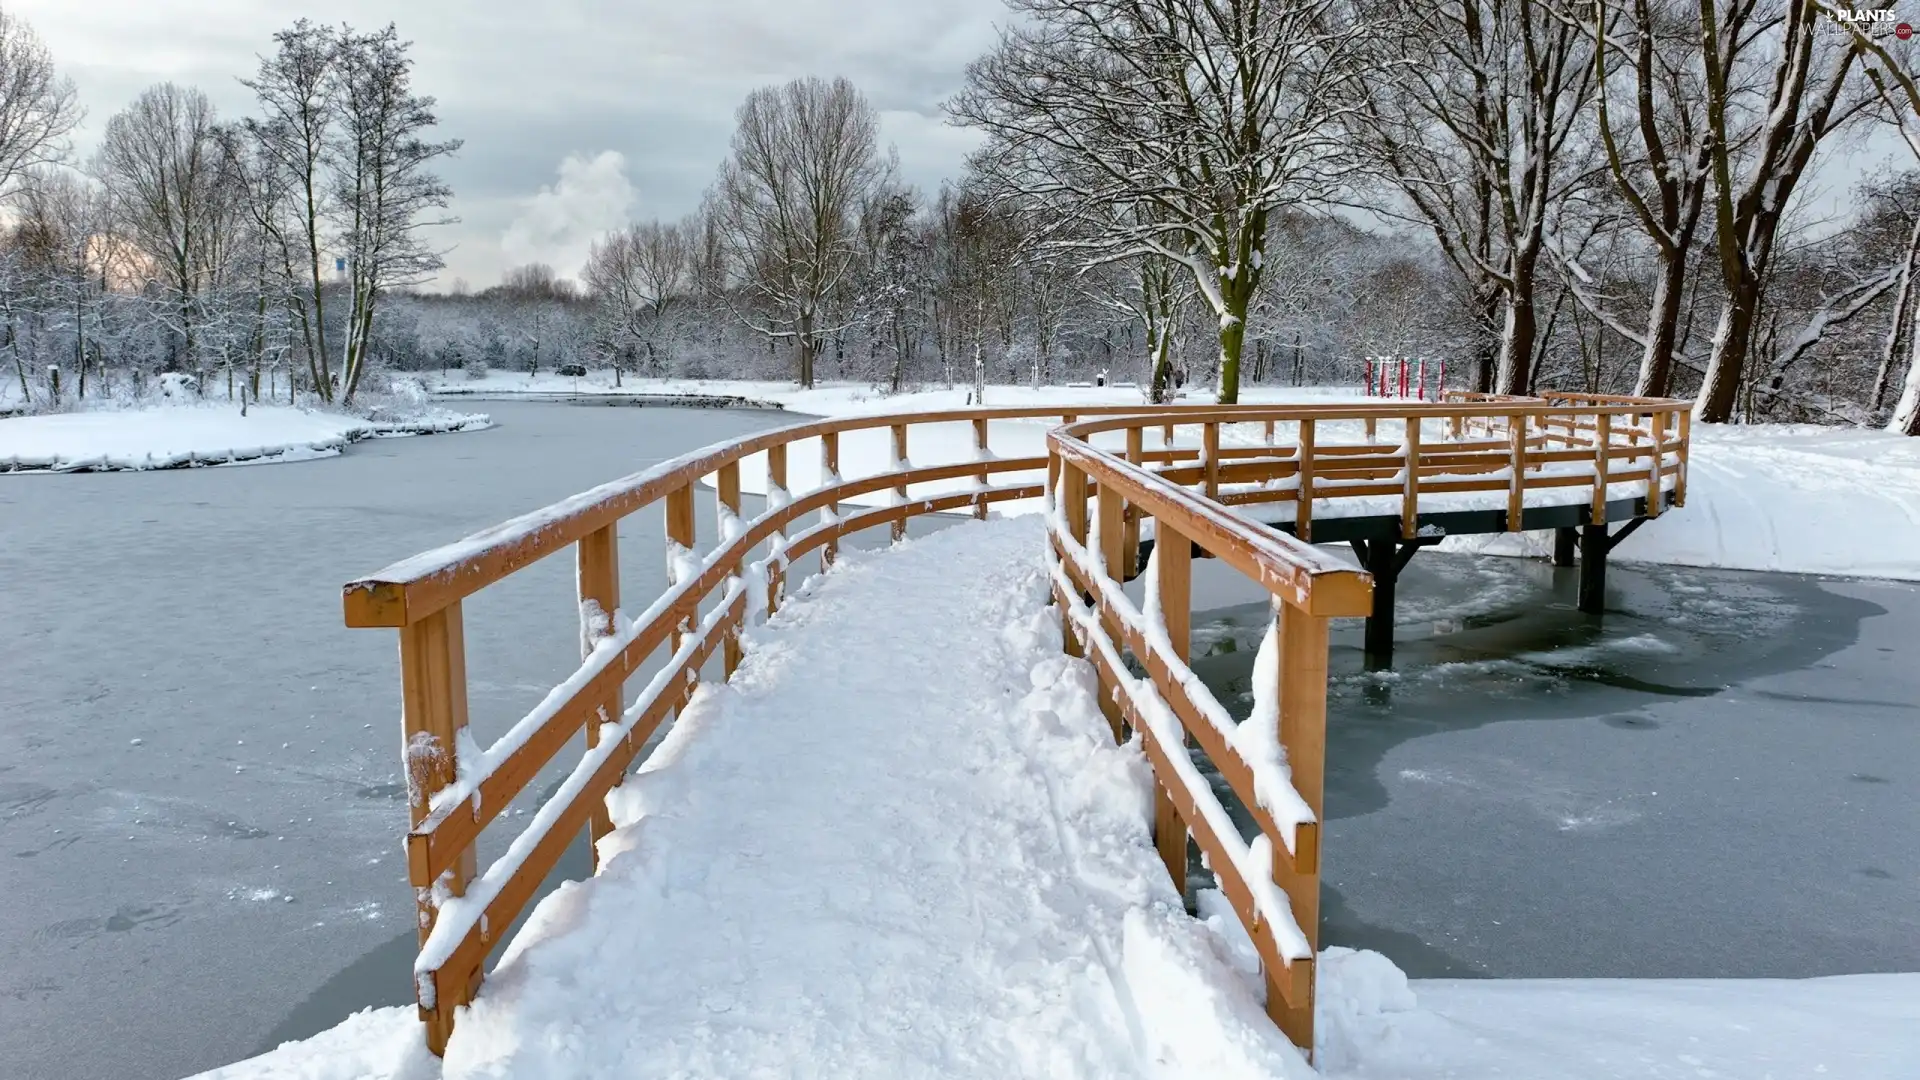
<point>173,435</point>
<point>1782,497</point>
<point>990,904</point>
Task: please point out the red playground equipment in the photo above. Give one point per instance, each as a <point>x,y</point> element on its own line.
<point>1394,376</point>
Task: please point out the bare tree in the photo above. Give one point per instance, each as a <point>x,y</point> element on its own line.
<point>1661,174</point>
<point>1472,130</point>
<point>297,90</point>
<point>38,108</point>
<point>163,162</point>
<point>636,276</point>
<point>805,156</point>
<point>1807,71</point>
<point>385,192</point>
<point>1166,127</point>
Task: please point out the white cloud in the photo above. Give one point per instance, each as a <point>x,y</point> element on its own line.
<point>556,226</point>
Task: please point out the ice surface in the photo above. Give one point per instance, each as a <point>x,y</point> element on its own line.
<point>168,436</point>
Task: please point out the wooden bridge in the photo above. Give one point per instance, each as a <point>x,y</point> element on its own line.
<point>1125,491</point>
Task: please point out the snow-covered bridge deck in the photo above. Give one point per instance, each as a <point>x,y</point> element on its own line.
<point>899,842</point>
<point>894,841</point>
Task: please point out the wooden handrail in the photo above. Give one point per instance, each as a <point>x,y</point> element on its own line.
<point>452,800</point>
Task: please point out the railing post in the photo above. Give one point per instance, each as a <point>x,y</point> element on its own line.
<point>1210,447</point>
<point>1073,510</point>
<point>980,448</point>
<point>433,710</point>
<point>1303,494</point>
<point>1686,444</point>
<point>597,568</point>
<point>900,489</point>
<point>1303,732</point>
<point>1173,579</point>
<point>679,545</point>
<point>830,472</point>
<point>777,488</point>
<point>727,484</point>
<point>1602,457</point>
<point>1656,471</point>
<point>1517,445</point>
<point>1113,537</point>
<point>1136,449</point>
<point>1410,500</point>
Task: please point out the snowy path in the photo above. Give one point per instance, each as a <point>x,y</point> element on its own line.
<point>900,843</point>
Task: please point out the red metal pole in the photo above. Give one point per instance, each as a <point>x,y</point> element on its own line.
<point>1367,381</point>
<point>1403,376</point>
<point>1423,378</point>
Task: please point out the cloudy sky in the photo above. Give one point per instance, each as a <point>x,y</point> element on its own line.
<point>576,120</point>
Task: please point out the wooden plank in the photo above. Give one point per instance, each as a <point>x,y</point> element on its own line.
<point>1410,498</point>
<point>1136,446</point>
<point>1073,510</point>
<point>433,712</point>
<point>1680,481</point>
<point>1603,440</point>
<point>1303,495</point>
<point>1657,427</point>
<point>900,489</point>
<point>980,446</point>
<point>1303,731</point>
<point>597,569</point>
<point>727,505</point>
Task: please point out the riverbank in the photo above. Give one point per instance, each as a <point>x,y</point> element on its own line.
<point>174,436</point>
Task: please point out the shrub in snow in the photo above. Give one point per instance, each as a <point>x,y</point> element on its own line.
<point>475,369</point>
<point>178,386</point>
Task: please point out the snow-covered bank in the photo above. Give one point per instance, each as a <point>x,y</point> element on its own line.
<point>1783,497</point>
<point>1376,1025</point>
<point>176,436</point>
<point>1770,497</point>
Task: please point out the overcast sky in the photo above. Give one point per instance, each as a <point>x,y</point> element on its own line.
<point>576,119</point>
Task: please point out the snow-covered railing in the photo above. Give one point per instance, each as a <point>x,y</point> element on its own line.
<point>1101,501</point>
<point>456,787</point>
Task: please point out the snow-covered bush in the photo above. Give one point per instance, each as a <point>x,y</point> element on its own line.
<point>178,386</point>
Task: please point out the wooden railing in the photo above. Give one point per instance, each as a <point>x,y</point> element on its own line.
<point>454,794</point>
<point>453,797</point>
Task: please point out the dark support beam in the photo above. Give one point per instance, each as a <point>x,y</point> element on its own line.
<point>1625,531</point>
<point>1563,543</point>
<point>1408,549</point>
<point>1594,545</point>
<point>1383,562</point>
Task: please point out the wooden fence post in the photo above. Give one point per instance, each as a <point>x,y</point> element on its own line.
<point>980,446</point>
<point>1517,446</point>
<point>777,482</point>
<point>900,489</point>
<point>1602,461</point>
<point>727,484</point>
<point>433,711</point>
<point>1173,578</point>
<point>1303,732</point>
<point>597,567</point>
<point>1686,443</point>
<point>1074,511</point>
<point>679,535</point>
<point>1410,499</point>
<point>830,465</point>
<point>1136,449</point>
<point>1210,448</point>
<point>1303,494</point>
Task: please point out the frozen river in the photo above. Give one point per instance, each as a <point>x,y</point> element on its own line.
<point>200,800</point>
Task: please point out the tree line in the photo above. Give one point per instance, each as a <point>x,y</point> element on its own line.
<point>1606,195</point>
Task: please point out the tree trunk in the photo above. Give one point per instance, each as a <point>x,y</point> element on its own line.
<point>1517,339</point>
<point>1663,325</point>
<point>1897,333</point>
<point>1731,340</point>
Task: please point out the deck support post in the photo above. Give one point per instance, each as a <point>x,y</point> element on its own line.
<point>1594,545</point>
<point>1383,562</point>
<point>1563,544</point>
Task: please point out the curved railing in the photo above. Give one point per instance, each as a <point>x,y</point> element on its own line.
<point>456,789</point>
